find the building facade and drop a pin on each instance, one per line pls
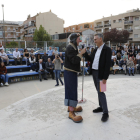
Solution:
(80, 27)
(12, 30)
(129, 21)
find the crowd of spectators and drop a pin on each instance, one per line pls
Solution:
(48, 62)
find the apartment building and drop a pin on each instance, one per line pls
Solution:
(129, 21)
(80, 27)
(12, 30)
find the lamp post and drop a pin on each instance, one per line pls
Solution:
(3, 27)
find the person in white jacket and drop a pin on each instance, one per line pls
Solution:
(32, 61)
(17, 56)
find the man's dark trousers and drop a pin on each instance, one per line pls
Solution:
(101, 95)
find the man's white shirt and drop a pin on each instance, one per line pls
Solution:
(3, 54)
(95, 63)
(16, 54)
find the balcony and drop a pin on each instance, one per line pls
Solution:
(99, 26)
(9, 30)
(1, 36)
(11, 36)
(32, 25)
(107, 25)
(129, 30)
(130, 38)
(25, 26)
(128, 22)
(28, 35)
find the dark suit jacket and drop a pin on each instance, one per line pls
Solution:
(104, 62)
(37, 65)
(116, 63)
(49, 66)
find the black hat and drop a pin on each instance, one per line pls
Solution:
(74, 36)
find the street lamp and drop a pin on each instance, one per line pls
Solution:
(3, 26)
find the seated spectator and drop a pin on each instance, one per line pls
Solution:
(32, 61)
(38, 57)
(123, 51)
(17, 56)
(45, 57)
(131, 55)
(118, 50)
(138, 56)
(136, 51)
(26, 56)
(4, 56)
(88, 50)
(135, 64)
(84, 67)
(113, 50)
(118, 56)
(3, 73)
(50, 51)
(115, 65)
(126, 46)
(130, 66)
(129, 50)
(113, 56)
(32, 52)
(124, 64)
(125, 56)
(133, 47)
(50, 67)
(55, 51)
(41, 68)
(57, 63)
(138, 61)
(53, 56)
(92, 49)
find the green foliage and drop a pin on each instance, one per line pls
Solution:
(12, 44)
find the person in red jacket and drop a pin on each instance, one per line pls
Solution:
(3, 73)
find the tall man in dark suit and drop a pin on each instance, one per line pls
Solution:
(50, 67)
(100, 68)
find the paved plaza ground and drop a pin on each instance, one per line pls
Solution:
(35, 110)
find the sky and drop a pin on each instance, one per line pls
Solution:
(71, 11)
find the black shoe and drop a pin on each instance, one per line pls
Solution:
(125, 73)
(45, 79)
(129, 74)
(105, 117)
(40, 80)
(132, 74)
(99, 109)
(56, 85)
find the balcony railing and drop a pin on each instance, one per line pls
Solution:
(107, 25)
(128, 22)
(130, 38)
(26, 26)
(9, 30)
(31, 25)
(129, 30)
(28, 35)
(99, 26)
(12, 36)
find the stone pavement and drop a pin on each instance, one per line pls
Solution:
(43, 116)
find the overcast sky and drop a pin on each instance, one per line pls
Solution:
(72, 11)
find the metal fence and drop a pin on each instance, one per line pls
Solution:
(37, 46)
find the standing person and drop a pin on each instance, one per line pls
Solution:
(100, 64)
(92, 49)
(41, 68)
(72, 67)
(55, 51)
(88, 51)
(57, 66)
(50, 67)
(4, 56)
(50, 51)
(3, 73)
(17, 56)
(45, 57)
(84, 68)
(26, 55)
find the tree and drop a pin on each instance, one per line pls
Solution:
(116, 36)
(41, 35)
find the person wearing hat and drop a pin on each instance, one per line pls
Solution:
(71, 68)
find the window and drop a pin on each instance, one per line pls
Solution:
(86, 26)
(114, 21)
(80, 27)
(135, 35)
(120, 20)
(137, 27)
(90, 26)
(1, 33)
(136, 18)
(73, 28)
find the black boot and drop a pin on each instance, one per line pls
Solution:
(105, 117)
